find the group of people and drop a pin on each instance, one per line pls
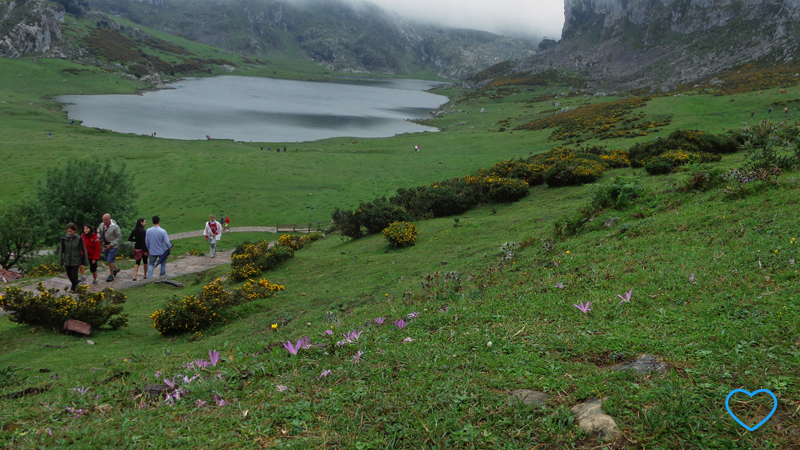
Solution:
(75, 251)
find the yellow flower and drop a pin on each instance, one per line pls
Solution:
(274, 326)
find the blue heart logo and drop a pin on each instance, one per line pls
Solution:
(753, 428)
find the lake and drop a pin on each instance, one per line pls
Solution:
(263, 109)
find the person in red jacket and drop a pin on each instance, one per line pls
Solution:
(93, 251)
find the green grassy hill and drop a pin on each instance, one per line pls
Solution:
(713, 276)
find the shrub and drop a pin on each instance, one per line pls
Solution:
(378, 214)
(401, 234)
(346, 222)
(211, 307)
(43, 270)
(681, 145)
(702, 177)
(292, 242)
(249, 260)
(506, 189)
(771, 145)
(671, 160)
(47, 310)
(574, 172)
(619, 194)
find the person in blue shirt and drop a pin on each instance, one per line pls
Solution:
(158, 245)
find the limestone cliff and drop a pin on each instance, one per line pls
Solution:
(29, 27)
(631, 44)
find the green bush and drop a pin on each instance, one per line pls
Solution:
(574, 172)
(378, 214)
(47, 310)
(506, 189)
(620, 193)
(685, 141)
(249, 260)
(346, 223)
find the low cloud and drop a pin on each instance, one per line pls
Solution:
(521, 18)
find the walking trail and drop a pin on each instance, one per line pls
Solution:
(183, 265)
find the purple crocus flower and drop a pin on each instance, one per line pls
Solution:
(291, 347)
(158, 375)
(213, 356)
(627, 297)
(412, 315)
(324, 374)
(329, 332)
(49, 432)
(170, 383)
(379, 320)
(305, 343)
(220, 401)
(357, 356)
(555, 263)
(584, 308)
(200, 403)
(444, 309)
(81, 390)
(408, 339)
(281, 388)
(691, 278)
(201, 363)
(400, 323)
(559, 285)
(78, 412)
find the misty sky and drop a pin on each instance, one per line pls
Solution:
(530, 18)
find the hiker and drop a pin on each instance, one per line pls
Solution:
(770, 110)
(213, 233)
(227, 223)
(94, 250)
(752, 113)
(72, 254)
(786, 110)
(110, 233)
(138, 236)
(284, 149)
(158, 245)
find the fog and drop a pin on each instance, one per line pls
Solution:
(519, 18)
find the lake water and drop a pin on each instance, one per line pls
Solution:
(263, 109)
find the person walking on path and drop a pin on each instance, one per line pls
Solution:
(110, 233)
(94, 250)
(227, 223)
(72, 254)
(213, 233)
(138, 236)
(158, 245)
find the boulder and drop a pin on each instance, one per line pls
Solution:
(529, 397)
(76, 326)
(642, 365)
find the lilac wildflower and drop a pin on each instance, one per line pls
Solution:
(201, 363)
(281, 388)
(170, 383)
(158, 375)
(444, 309)
(400, 323)
(412, 315)
(81, 390)
(329, 332)
(627, 297)
(380, 320)
(559, 285)
(78, 412)
(357, 356)
(200, 403)
(584, 308)
(305, 342)
(691, 278)
(324, 374)
(220, 401)
(213, 356)
(291, 347)
(49, 432)
(408, 339)
(555, 263)
(190, 365)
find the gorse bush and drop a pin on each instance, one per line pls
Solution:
(619, 194)
(249, 260)
(771, 145)
(51, 311)
(213, 306)
(401, 234)
(680, 147)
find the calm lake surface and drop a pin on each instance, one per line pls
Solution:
(263, 109)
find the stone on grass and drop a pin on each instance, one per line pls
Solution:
(642, 365)
(170, 282)
(529, 397)
(611, 222)
(76, 326)
(90, 342)
(592, 420)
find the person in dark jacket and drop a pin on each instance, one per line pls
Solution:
(139, 247)
(72, 254)
(94, 251)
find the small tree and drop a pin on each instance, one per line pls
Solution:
(20, 236)
(81, 191)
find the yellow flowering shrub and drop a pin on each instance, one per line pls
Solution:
(401, 234)
(49, 310)
(249, 260)
(293, 242)
(193, 313)
(43, 270)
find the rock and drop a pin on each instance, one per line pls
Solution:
(170, 282)
(155, 390)
(90, 342)
(611, 222)
(530, 397)
(483, 110)
(642, 365)
(592, 420)
(76, 326)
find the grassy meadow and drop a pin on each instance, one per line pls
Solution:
(714, 283)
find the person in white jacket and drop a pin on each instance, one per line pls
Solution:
(213, 233)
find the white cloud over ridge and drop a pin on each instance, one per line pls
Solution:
(522, 18)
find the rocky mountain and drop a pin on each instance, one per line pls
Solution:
(625, 44)
(345, 36)
(29, 27)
